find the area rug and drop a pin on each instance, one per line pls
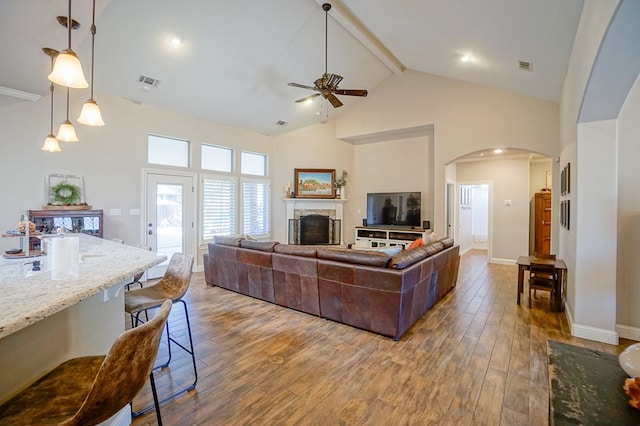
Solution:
(586, 388)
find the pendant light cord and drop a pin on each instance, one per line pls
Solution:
(93, 41)
(67, 104)
(51, 126)
(326, 38)
(69, 25)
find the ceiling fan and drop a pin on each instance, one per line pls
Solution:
(327, 85)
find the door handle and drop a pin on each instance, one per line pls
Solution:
(150, 232)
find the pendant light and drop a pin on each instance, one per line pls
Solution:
(66, 132)
(51, 143)
(90, 114)
(67, 70)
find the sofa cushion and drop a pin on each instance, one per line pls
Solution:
(409, 257)
(354, 256)
(433, 248)
(258, 245)
(415, 243)
(296, 250)
(228, 240)
(391, 250)
(447, 242)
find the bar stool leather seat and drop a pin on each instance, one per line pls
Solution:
(91, 389)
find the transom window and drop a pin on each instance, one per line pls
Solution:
(167, 151)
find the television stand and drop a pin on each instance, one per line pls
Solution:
(378, 236)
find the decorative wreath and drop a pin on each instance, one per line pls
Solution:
(65, 193)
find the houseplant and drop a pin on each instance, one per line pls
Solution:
(340, 183)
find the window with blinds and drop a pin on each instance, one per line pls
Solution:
(256, 195)
(219, 206)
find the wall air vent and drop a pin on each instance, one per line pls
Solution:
(281, 123)
(525, 66)
(148, 81)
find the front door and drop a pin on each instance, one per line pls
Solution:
(169, 224)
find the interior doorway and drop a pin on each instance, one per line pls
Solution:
(473, 217)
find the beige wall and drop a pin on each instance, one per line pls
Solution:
(110, 158)
(314, 147)
(466, 118)
(628, 209)
(509, 181)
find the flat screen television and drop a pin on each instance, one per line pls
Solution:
(401, 209)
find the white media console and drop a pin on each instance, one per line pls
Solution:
(372, 236)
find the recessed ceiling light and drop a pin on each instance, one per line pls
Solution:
(175, 40)
(498, 151)
(465, 58)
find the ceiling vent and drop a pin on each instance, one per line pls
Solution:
(147, 81)
(525, 66)
(281, 123)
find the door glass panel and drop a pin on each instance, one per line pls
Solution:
(169, 219)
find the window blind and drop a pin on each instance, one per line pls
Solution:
(219, 201)
(256, 207)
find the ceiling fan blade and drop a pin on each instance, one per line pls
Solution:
(302, 86)
(351, 92)
(334, 101)
(334, 80)
(306, 98)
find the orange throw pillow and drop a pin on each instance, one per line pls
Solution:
(416, 243)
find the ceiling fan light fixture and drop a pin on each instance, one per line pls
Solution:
(327, 85)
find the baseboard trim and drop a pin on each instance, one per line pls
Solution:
(593, 333)
(628, 332)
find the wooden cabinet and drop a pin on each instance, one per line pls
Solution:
(542, 223)
(85, 221)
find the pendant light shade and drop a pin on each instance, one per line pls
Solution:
(90, 114)
(67, 69)
(66, 132)
(51, 144)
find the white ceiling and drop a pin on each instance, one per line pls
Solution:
(238, 56)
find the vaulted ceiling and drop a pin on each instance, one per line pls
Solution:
(238, 56)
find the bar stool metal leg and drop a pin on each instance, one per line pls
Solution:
(189, 350)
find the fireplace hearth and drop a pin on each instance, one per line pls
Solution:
(314, 229)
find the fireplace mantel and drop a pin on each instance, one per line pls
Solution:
(335, 204)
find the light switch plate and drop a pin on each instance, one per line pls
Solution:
(115, 212)
(134, 212)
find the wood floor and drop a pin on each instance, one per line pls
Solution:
(476, 358)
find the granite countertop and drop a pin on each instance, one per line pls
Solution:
(28, 296)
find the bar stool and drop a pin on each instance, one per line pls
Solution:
(91, 389)
(173, 285)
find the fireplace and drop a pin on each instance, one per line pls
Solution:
(314, 229)
(300, 207)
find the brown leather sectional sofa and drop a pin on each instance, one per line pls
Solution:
(369, 290)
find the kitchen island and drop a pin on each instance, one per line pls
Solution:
(45, 321)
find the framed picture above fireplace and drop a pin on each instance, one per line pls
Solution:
(315, 183)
